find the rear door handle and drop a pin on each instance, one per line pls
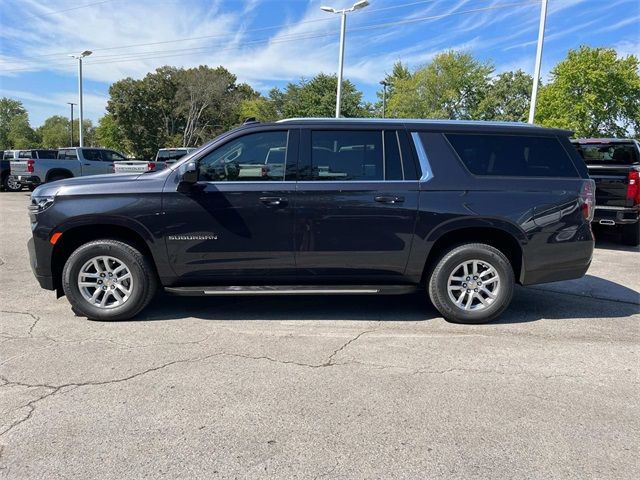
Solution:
(389, 199)
(273, 201)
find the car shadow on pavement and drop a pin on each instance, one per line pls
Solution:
(552, 301)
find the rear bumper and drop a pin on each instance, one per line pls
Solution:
(563, 255)
(27, 179)
(617, 215)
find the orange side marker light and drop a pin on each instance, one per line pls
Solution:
(54, 238)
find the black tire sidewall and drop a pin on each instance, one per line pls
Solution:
(123, 252)
(7, 188)
(438, 285)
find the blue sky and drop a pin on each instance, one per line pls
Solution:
(268, 43)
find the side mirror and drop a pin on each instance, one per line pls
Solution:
(187, 177)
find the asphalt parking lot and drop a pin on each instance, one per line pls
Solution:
(320, 387)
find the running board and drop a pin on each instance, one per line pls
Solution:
(293, 290)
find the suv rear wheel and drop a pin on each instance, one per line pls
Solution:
(108, 280)
(472, 283)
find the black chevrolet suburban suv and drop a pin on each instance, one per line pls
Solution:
(459, 210)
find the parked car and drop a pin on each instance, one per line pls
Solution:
(7, 183)
(459, 210)
(13, 184)
(164, 158)
(68, 163)
(614, 165)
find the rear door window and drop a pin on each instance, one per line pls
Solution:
(47, 154)
(608, 153)
(344, 155)
(25, 154)
(512, 155)
(67, 155)
(111, 156)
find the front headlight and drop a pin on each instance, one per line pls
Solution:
(40, 203)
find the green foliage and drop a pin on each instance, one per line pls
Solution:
(451, 86)
(507, 98)
(317, 98)
(594, 93)
(109, 135)
(175, 107)
(9, 108)
(55, 132)
(20, 134)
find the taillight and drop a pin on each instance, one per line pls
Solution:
(151, 166)
(588, 199)
(30, 166)
(633, 187)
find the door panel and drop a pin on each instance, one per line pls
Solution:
(92, 163)
(342, 231)
(355, 213)
(236, 228)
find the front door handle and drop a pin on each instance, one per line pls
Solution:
(273, 201)
(389, 199)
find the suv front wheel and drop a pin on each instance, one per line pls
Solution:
(108, 280)
(472, 283)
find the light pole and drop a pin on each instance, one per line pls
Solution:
(536, 73)
(79, 57)
(71, 124)
(343, 27)
(384, 84)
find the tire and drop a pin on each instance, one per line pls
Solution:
(10, 185)
(141, 284)
(32, 187)
(449, 273)
(631, 234)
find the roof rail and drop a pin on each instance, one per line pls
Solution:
(404, 120)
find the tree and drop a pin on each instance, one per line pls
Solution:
(108, 134)
(451, 87)
(260, 108)
(9, 108)
(209, 101)
(55, 132)
(594, 93)
(507, 98)
(20, 134)
(317, 98)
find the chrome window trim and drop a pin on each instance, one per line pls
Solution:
(425, 166)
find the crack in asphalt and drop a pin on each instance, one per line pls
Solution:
(36, 319)
(328, 363)
(54, 389)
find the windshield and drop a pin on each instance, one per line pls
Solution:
(608, 153)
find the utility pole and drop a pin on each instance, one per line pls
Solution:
(79, 57)
(343, 28)
(384, 84)
(536, 73)
(71, 124)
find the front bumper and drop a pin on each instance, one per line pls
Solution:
(27, 179)
(45, 281)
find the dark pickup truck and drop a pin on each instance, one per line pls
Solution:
(459, 211)
(614, 165)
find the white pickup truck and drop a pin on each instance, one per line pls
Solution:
(69, 162)
(164, 158)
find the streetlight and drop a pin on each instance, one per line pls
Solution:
(79, 57)
(384, 84)
(71, 124)
(343, 27)
(536, 73)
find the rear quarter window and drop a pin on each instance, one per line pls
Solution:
(512, 155)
